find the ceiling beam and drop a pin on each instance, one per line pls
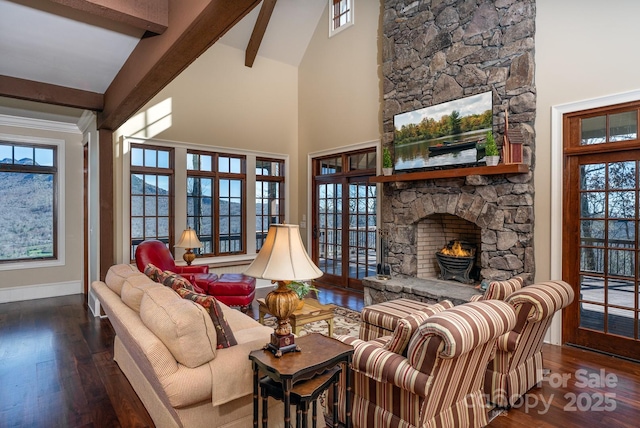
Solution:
(193, 27)
(30, 90)
(258, 31)
(149, 15)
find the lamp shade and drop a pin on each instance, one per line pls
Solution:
(283, 256)
(189, 239)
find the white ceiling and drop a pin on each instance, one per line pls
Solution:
(50, 43)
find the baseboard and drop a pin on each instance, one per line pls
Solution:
(39, 291)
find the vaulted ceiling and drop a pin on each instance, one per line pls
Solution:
(112, 56)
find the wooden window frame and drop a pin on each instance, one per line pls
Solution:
(279, 180)
(170, 171)
(215, 175)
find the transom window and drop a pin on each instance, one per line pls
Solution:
(216, 188)
(269, 196)
(151, 195)
(340, 15)
(28, 176)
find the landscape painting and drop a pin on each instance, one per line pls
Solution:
(443, 136)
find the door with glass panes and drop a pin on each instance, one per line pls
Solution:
(344, 218)
(600, 229)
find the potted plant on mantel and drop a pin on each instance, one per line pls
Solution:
(492, 155)
(302, 288)
(387, 162)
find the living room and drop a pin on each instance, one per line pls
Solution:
(334, 100)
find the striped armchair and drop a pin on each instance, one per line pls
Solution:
(499, 290)
(517, 366)
(437, 381)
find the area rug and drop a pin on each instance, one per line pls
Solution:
(345, 322)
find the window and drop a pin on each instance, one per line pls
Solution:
(269, 196)
(28, 217)
(340, 15)
(151, 195)
(216, 201)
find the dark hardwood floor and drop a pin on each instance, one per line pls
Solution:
(57, 370)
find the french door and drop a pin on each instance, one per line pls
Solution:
(601, 230)
(344, 218)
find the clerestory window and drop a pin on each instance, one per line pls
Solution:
(340, 15)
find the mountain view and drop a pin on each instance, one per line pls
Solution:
(26, 214)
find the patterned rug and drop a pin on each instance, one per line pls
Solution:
(345, 322)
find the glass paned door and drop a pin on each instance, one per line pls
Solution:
(344, 218)
(604, 198)
(609, 247)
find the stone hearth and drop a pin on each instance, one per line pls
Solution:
(436, 51)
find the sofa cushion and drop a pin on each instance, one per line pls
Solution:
(133, 289)
(117, 274)
(409, 324)
(183, 326)
(224, 335)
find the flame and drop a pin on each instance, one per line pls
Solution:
(456, 250)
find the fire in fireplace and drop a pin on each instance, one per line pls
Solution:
(456, 260)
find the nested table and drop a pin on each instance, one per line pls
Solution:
(319, 354)
(311, 311)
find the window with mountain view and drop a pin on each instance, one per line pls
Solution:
(28, 176)
(151, 196)
(216, 188)
(269, 196)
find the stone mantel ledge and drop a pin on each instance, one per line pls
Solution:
(430, 290)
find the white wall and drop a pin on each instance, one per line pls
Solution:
(340, 87)
(585, 49)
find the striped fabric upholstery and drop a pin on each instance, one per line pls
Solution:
(517, 366)
(499, 290)
(439, 384)
(409, 324)
(381, 319)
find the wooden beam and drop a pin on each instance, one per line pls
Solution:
(258, 31)
(30, 90)
(105, 174)
(149, 15)
(194, 26)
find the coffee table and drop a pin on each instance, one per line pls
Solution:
(319, 353)
(311, 311)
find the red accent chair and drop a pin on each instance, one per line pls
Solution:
(232, 289)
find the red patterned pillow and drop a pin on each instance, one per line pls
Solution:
(176, 281)
(225, 337)
(154, 273)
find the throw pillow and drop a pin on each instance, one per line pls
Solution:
(409, 324)
(225, 337)
(154, 273)
(176, 281)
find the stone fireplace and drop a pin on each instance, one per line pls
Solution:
(439, 50)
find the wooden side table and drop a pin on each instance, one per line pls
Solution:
(319, 354)
(311, 311)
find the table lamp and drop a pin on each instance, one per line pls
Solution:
(283, 259)
(189, 240)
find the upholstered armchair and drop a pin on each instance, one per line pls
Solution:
(437, 381)
(499, 290)
(157, 253)
(517, 365)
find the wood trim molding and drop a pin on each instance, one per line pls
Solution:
(107, 238)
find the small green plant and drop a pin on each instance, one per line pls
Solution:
(302, 288)
(387, 162)
(490, 147)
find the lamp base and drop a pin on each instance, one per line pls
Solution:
(189, 257)
(280, 345)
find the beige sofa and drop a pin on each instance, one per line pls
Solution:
(166, 347)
